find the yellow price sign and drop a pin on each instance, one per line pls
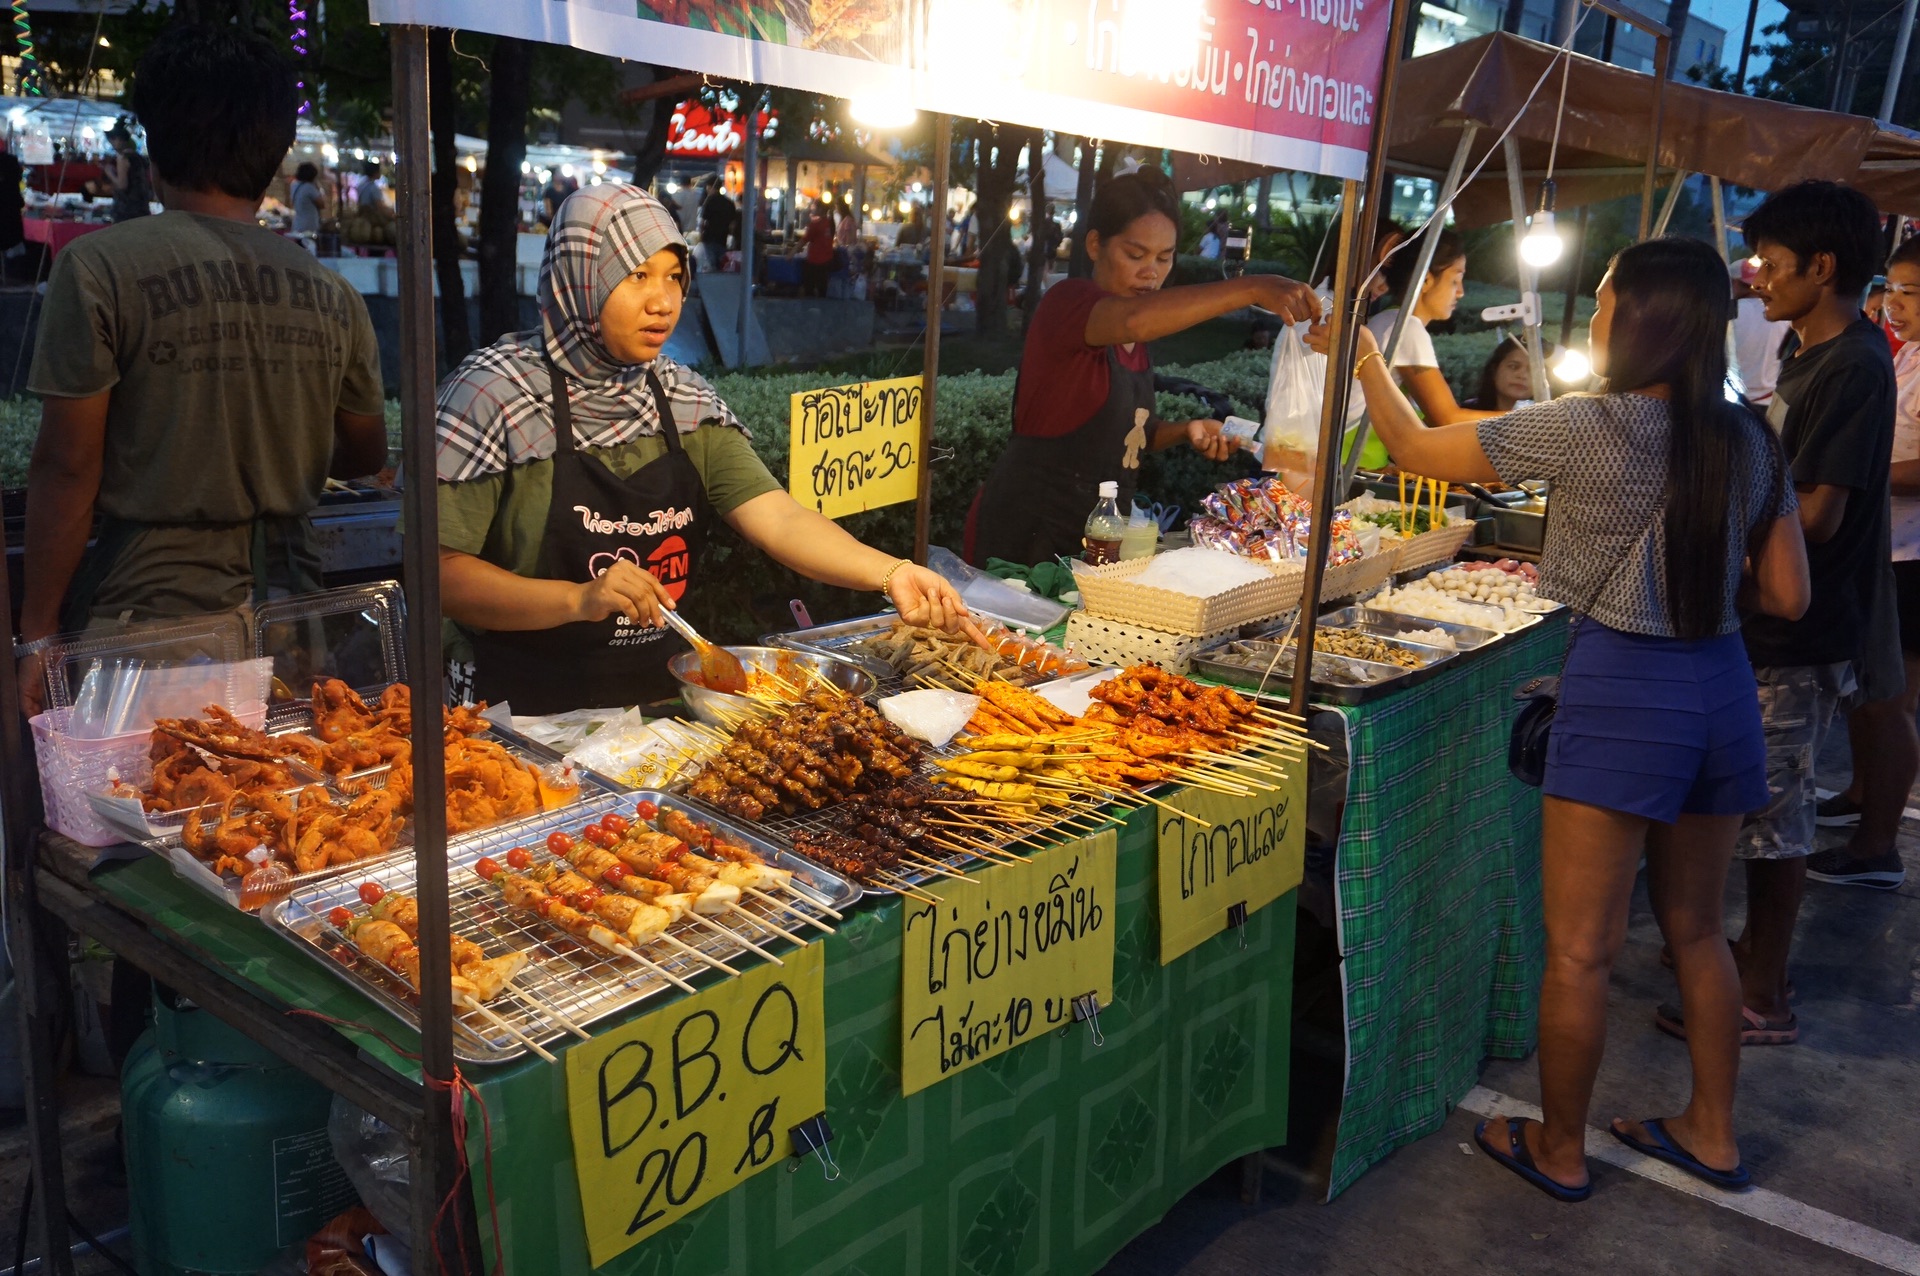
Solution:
(998, 962)
(1254, 853)
(855, 447)
(688, 1102)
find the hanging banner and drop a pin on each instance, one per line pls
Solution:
(855, 447)
(684, 1104)
(1280, 83)
(1000, 961)
(1213, 877)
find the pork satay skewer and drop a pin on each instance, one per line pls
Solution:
(524, 893)
(594, 862)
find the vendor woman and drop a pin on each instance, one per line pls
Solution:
(1083, 405)
(581, 471)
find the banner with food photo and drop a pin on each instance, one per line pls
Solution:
(1277, 84)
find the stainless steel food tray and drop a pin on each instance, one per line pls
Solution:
(1390, 624)
(1373, 679)
(837, 640)
(585, 983)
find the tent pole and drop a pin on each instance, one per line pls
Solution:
(1529, 277)
(1333, 416)
(1358, 216)
(1719, 218)
(936, 303)
(1672, 201)
(1423, 261)
(1661, 45)
(1897, 69)
(1575, 268)
(435, 1170)
(749, 219)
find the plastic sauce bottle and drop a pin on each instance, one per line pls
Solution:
(1106, 528)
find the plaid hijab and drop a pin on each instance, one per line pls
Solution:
(496, 409)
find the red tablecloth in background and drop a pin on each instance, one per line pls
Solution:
(57, 234)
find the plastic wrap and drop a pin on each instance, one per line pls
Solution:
(376, 1162)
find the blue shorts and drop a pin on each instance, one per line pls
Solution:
(1657, 727)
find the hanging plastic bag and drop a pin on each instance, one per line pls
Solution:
(1290, 439)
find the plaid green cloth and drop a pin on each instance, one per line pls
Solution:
(1045, 1160)
(1437, 880)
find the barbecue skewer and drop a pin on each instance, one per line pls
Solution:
(468, 1003)
(488, 870)
(549, 1009)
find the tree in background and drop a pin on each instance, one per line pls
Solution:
(996, 171)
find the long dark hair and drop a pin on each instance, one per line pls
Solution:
(1487, 394)
(1671, 310)
(1398, 271)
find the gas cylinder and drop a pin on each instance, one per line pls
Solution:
(228, 1160)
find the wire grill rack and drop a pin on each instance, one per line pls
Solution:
(583, 982)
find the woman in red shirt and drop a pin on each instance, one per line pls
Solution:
(816, 268)
(1086, 413)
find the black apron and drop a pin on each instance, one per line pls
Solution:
(655, 518)
(1034, 505)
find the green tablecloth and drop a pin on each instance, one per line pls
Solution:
(1046, 1159)
(1437, 883)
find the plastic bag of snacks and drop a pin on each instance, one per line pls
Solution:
(1263, 518)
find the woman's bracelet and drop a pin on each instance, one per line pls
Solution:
(1371, 354)
(886, 582)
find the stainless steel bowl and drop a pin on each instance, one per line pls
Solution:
(718, 707)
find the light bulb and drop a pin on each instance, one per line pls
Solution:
(1541, 245)
(1572, 366)
(883, 111)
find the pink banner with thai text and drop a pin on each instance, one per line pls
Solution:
(1284, 83)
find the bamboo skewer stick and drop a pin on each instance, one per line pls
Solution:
(836, 915)
(936, 867)
(765, 923)
(674, 941)
(655, 967)
(467, 1003)
(814, 922)
(902, 886)
(549, 1009)
(735, 936)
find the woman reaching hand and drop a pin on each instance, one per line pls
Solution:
(1661, 491)
(581, 471)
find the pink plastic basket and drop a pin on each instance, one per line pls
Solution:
(70, 768)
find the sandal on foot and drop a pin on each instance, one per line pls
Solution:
(1516, 1158)
(1755, 1028)
(1661, 1147)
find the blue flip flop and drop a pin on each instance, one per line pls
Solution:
(1663, 1148)
(1516, 1158)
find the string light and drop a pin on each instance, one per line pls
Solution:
(1541, 246)
(1572, 366)
(297, 19)
(29, 63)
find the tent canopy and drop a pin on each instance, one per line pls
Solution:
(1607, 130)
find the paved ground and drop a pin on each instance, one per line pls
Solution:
(1831, 1131)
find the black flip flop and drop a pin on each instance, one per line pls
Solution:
(1516, 1158)
(1662, 1147)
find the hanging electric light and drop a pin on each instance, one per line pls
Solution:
(1541, 246)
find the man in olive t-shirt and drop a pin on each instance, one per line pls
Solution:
(201, 376)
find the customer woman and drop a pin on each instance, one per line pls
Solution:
(581, 470)
(1662, 489)
(1506, 379)
(1087, 412)
(308, 199)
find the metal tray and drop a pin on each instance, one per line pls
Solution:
(1389, 624)
(837, 638)
(1369, 680)
(583, 982)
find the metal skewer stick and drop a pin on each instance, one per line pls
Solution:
(735, 936)
(673, 941)
(547, 1007)
(467, 1003)
(627, 952)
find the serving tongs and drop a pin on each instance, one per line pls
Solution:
(720, 669)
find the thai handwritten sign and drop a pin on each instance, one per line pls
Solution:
(1000, 962)
(856, 447)
(686, 1103)
(1254, 853)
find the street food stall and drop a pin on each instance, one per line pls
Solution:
(1002, 989)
